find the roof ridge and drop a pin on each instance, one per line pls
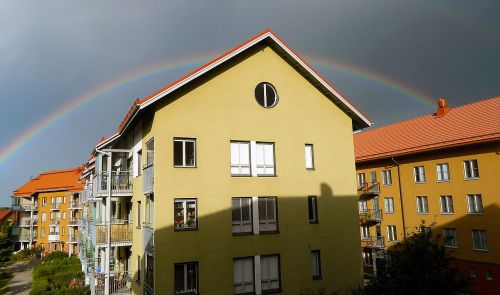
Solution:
(60, 170)
(427, 115)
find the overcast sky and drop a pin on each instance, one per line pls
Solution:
(392, 58)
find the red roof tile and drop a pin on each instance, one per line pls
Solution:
(468, 124)
(66, 179)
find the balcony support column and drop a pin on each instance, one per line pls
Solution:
(108, 223)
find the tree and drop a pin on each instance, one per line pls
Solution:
(417, 265)
(6, 248)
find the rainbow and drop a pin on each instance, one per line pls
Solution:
(137, 74)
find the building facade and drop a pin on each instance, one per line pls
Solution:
(234, 179)
(438, 169)
(48, 208)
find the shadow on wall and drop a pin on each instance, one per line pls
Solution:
(213, 246)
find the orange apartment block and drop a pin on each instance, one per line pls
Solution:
(440, 168)
(48, 209)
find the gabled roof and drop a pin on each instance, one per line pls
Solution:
(360, 120)
(464, 125)
(4, 214)
(57, 180)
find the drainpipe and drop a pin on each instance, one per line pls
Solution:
(401, 197)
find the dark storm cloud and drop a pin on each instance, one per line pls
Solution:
(53, 51)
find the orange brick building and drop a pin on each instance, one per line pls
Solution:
(48, 209)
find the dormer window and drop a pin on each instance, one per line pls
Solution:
(266, 95)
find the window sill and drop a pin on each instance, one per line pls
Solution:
(419, 182)
(316, 278)
(451, 247)
(241, 175)
(313, 222)
(266, 175)
(471, 178)
(310, 169)
(386, 184)
(447, 213)
(269, 232)
(423, 213)
(138, 227)
(480, 250)
(476, 213)
(392, 212)
(243, 234)
(444, 180)
(185, 229)
(185, 166)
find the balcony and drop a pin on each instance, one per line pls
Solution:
(370, 216)
(373, 242)
(24, 222)
(72, 239)
(26, 207)
(368, 190)
(121, 184)
(55, 206)
(119, 283)
(121, 233)
(148, 179)
(54, 237)
(23, 238)
(55, 222)
(73, 222)
(148, 240)
(74, 205)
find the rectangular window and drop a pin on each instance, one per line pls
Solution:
(442, 171)
(267, 214)
(367, 258)
(240, 158)
(150, 152)
(139, 267)
(316, 264)
(51, 215)
(64, 200)
(309, 156)
(391, 233)
(422, 206)
(44, 201)
(386, 177)
(242, 215)
(419, 174)
(62, 231)
(44, 216)
(365, 232)
(363, 206)
(373, 177)
(479, 241)
(265, 158)
(446, 204)
(64, 215)
(270, 273)
(149, 273)
(450, 237)
(139, 208)
(150, 211)
(243, 275)
(312, 207)
(361, 180)
(184, 152)
(186, 278)
(185, 214)
(139, 163)
(42, 232)
(475, 203)
(389, 205)
(471, 170)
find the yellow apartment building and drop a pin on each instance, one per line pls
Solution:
(440, 168)
(235, 179)
(49, 208)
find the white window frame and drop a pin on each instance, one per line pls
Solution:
(453, 234)
(442, 173)
(367, 258)
(184, 202)
(361, 179)
(273, 278)
(422, 205)
(241, 224)
(44, 216)
(419, 174)
(184, 158)
(391, 233)
(365, 232)
(266, 223)
(387, 177)
(446, 204)
(263, 165)
(312, 206)
(185, 265)
(476, 206)
(237, 167)
(474, 171)
(389, 205)
(309, 156)
(483, 241)
(239, 265)
(363, 206)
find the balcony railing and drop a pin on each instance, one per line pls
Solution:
(119, 283)
(26, 207)
(23, 238)
(25, 222)
(148, 179)
(54, 237)
(121, 183)
(56, 221)
(370, 215)
(121, 233)
(73, 222)
(55, 206)
(75, 204)
(72, 239)
(373, 242)
(369, 189)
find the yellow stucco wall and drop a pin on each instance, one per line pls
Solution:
(458, 187)
(222, 108)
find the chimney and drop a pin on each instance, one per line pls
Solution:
(442, 107)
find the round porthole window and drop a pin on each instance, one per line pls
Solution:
(266, 95)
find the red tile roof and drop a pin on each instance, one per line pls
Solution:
(4, 214)
(468, 124)
(56, 180)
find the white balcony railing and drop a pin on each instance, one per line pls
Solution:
(54, 237)
(121, 183)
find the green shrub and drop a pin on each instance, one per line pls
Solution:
(32, 254)
(56, 255)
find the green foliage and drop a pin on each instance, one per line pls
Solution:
(6, 248)
(58, 274)
(417, 265)
(33, 254)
